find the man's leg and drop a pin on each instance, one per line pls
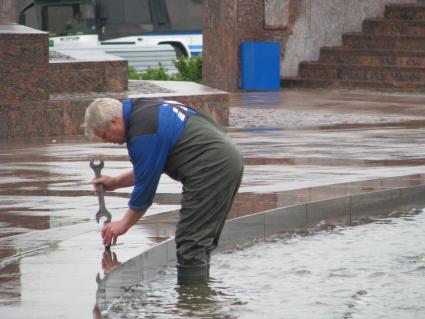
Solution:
(207, 200)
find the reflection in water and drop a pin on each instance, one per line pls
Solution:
(166, 299)
(158, 298)
(109, 261)
(376, 270)
(10, 280)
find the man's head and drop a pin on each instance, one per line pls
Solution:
(104, 119)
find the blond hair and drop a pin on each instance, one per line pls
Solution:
(100, 113)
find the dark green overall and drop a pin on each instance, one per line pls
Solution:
(210, 168)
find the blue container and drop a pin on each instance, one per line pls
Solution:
(260, 66)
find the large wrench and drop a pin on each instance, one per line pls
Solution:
(102, 212)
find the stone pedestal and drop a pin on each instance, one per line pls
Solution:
(23, 72)
(23, 64)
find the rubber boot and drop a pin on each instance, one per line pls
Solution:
(193, 274)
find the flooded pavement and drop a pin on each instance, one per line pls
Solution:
(298, 146)
(360, 272)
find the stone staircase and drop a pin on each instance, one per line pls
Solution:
(388, 55)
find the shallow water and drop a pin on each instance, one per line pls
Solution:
(370, 271)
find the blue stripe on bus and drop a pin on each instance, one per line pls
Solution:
(195, 47)
(195, 53)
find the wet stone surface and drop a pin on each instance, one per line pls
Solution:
(299, 146)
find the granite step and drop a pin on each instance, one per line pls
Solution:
(341, 55)
(315, 70)
(395, 27)
(412, 87)
(365, 41)
(405, 11)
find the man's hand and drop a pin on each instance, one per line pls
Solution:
(109, 183)
(112, 230)
(125, 179)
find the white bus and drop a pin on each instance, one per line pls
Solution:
(130, 23)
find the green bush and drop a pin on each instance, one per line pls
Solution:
(189, 69)
(133, 74)
(151, 73)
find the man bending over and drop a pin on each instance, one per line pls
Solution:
(189, 146)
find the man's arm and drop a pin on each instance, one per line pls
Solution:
(111, 231)
(125, 179)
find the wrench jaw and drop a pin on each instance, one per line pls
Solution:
(96, 166)
(108, 217)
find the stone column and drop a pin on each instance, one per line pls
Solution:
(23, 75)
(229, 22)
(220, 47)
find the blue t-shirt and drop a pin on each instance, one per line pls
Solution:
(152, 129)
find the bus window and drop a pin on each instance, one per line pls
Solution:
(68, 19)
(185, 15)
(55, 18)
(126, 18)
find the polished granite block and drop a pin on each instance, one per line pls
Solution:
(40, 118)
(361, 72)
(380, 86)
(409, 12)
(23, 52)
(17, 86)
(80, 77)
(394, 27)
(340, 55)
(365, 41)
(23, 64)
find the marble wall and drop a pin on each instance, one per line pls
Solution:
(300, 26)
